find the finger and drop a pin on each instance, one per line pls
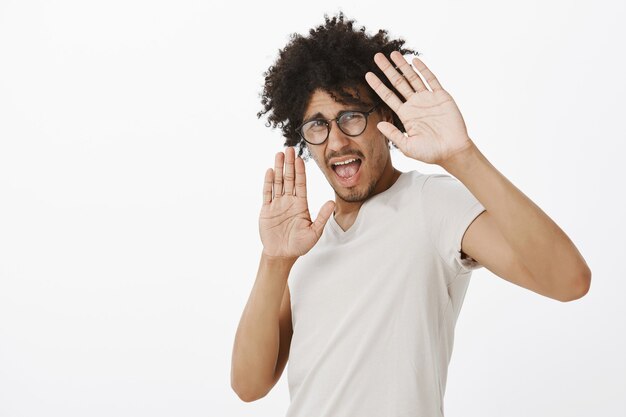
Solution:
(289, 170)
(407, 70)
(278, 174)
(429, 76)
(267, 186)
(322, 217)
(397, 80)
(393, 134)
(300, 178)
(383, 92)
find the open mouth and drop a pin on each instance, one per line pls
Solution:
(347, 170)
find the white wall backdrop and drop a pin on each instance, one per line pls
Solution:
(131, 170)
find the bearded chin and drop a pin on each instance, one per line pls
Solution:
(356, 196)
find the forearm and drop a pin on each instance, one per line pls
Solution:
(539, 242)
(257, 340)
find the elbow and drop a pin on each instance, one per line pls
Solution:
(580, 286)
(246, 391)
(246, 395)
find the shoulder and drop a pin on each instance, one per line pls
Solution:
(440, 185)
(419, 179)
(413, 179)
(429, 188)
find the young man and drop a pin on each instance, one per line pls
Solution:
(363, 300)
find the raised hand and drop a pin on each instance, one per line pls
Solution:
(285, 222)
(434, 125)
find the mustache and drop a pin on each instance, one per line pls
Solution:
(339, 155)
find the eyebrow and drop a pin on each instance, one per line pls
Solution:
(319, 115)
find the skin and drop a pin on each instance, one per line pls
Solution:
(513, 237)
(377, 173)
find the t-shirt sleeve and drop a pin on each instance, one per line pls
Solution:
(449, 208)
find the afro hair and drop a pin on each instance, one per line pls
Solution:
(334, 58)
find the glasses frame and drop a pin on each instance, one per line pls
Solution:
(328, 124)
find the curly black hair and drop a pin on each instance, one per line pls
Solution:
(334, 58)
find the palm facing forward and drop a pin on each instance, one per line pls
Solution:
(434, 125)
(285, 222)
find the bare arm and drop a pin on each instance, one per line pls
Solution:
(258, 339)
(262, 340)
(513, 238)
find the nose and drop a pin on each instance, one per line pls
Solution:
(337, 140)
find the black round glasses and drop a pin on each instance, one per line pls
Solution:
(351, 123)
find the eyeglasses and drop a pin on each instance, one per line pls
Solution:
(351, 123)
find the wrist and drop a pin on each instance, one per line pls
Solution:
(462, 160)
(277, 259)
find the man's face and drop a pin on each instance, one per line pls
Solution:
(355, 181)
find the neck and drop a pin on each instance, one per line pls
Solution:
(346, 208)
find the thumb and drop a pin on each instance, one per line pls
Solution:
(322, 217)
(393, 134)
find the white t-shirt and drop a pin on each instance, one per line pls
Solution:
(374, 307)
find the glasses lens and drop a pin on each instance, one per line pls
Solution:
(315, 131)
(352, 123)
